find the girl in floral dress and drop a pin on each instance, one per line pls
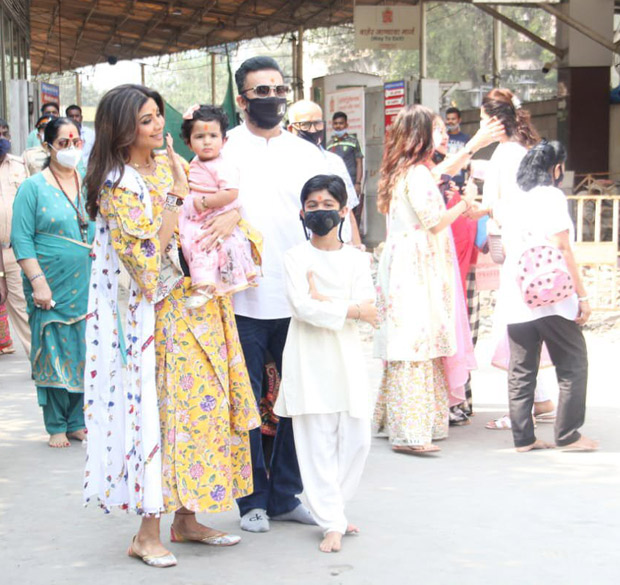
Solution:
(168, 431)
(416, 283)
(213, 182)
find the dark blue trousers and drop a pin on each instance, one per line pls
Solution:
(276, 493)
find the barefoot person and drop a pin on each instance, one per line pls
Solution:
(501, 106)
(324, 382)
(51, 237)
(168, 432)
(273, 167)
(536, 224)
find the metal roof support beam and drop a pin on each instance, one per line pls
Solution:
(81, 32)
(522, 30)
(582, 28)
(49, 36)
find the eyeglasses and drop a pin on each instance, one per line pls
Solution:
(64, 143)
(306, 126)
(263, 91)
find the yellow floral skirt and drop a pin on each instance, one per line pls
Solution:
(206, 405)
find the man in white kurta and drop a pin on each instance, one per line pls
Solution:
(273, 166)
(324, 379)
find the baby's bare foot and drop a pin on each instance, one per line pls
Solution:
(331, 543)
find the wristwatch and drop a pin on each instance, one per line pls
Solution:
(173, 200)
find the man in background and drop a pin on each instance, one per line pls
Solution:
(456, 139)
(47, 109)
(347, 147)
(12, 173)
(306, 121)
(88, 136)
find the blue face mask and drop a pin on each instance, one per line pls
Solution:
(5, 146)
(339, 133)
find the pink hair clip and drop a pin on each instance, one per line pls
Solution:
(189, 114)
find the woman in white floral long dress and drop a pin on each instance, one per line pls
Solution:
(416, 290)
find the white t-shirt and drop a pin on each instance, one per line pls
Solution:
(271, 175)
(528, 219)
(501, 173)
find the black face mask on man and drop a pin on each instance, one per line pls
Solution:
(266, 113)
(315, 137)
(322, 221)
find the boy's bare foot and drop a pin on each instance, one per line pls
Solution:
(537, 444)
(58, 441)
(331, 543)
(79, 435)
(352, 529)
(582, 444)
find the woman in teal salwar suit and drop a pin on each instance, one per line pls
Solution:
(52, 239)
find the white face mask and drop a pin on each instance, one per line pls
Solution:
(69, 157)
(437, 138)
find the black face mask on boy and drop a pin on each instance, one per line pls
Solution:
(322, 221)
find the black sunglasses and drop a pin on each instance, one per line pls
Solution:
(263, 91)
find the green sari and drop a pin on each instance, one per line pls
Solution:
(45, 226)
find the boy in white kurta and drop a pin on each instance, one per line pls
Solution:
(324, 381)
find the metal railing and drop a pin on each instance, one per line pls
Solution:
(597, 246)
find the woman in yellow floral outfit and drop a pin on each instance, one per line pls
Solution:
(168, 402)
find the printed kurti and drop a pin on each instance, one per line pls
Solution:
(45, 226)
(204, 402)
(416, 283)
(416, 277)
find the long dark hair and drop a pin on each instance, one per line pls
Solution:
(537, 165)
(116, 128)
(51, 133)
(409, 142)
(504, 105)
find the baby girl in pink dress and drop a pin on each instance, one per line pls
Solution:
(229, 267)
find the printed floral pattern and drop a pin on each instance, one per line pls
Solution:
(412, 406)
(416, 276)
(205, 401)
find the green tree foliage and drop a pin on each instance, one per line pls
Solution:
(459, 48)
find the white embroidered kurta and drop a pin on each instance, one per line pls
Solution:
(324, 369)
(416, 277)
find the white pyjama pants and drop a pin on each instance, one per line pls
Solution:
(331, 450)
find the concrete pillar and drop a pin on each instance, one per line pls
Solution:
(583, 85)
